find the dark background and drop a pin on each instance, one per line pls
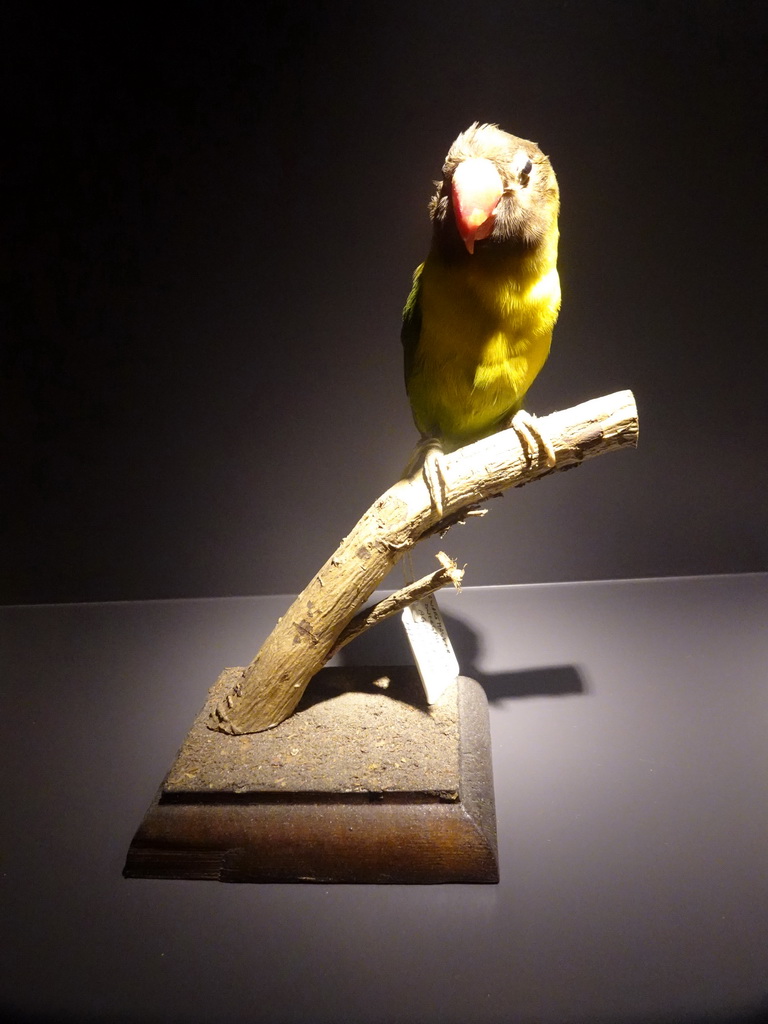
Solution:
(212, 213)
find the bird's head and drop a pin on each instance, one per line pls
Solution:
(498, 193)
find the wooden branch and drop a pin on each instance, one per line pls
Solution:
(448, 572)
(304, 638)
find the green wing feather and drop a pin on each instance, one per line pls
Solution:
(411, 329)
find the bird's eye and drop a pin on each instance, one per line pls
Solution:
(525, 172)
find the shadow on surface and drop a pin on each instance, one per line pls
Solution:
(399, 682)
(385, 644)
(543, 681)
(550, 681)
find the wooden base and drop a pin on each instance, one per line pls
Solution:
(364, 783)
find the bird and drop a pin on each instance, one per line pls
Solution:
(478, 321)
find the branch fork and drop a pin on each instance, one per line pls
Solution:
(326, 615)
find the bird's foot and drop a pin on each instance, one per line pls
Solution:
(432, 470)
(429, 455)
(534, 440)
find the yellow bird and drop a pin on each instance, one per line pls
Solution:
(478, 322)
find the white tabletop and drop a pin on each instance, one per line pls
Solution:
(630, 746)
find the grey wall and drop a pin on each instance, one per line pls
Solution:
(215, 210)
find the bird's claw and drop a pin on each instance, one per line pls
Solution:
(428, 457)
(432, 471)
(534, 440)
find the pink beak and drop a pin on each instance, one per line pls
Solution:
(475, 192)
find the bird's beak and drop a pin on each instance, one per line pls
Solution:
(476, 189)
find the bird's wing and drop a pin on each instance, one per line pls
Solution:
(411, 329)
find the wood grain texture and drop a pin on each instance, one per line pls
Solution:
(436, 825)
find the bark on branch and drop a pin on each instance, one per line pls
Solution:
(311, 630)
(448, 572)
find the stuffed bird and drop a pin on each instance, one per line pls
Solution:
(478, 322)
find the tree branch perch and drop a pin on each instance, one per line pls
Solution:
(448, 572)
(311, 630)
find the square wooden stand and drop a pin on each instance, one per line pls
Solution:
(363, 783)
